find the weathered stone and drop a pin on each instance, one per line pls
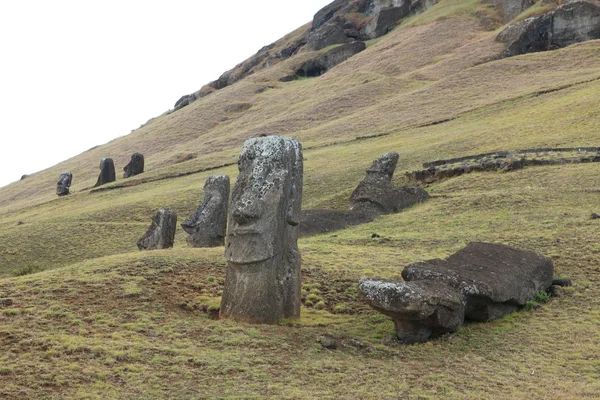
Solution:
(107, 172)
(324, 62)
(262, 284)
(495, 279)
(135, 166)
(556, 291)
(594, 216)
(161, 233)
(573, 22)
(6, 302)
(420, 310)
(385, 15)
(510, 9)
(64, 184)
(24, 177)
(208, 225)
(377, 195)
(328, 343)
(314, 222)
(562, 282)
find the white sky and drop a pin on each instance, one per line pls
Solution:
(77, 73)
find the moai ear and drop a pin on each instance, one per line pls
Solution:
(293, 212)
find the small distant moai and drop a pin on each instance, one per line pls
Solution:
(263, 261)
(161, 233)
(376, 190)
(107, 172)
(64, 184)
(135, 166)
(208, 225)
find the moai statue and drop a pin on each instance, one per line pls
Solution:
(263, 262)
(64, 184)
(107, 172)
(161, 233)
(208, 225)
(135, 166)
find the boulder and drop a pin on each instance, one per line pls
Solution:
(63, 185)
(420, 310)
(385, 15)
(208, 225)
(573, 22)
(494, 279)
(161, 233)
(324, 62)
(107, 172)
(135, 166)
(510, 9)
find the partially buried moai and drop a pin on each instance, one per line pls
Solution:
(135, 166)
(64, 184)
(263, 262)
(107, 172)
(208, 225)
(161, 233)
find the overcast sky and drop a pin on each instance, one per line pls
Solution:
(77, 73)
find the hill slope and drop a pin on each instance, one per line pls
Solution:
(107, 320)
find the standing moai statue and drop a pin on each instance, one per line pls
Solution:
(64, 184)
(135, 166)
(161, 233)
(107, 172)
(263, 262)
(208, 225)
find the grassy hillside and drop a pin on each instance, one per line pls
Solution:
(92, 317)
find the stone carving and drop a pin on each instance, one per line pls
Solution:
(64, 184)
(107, 172)
(135, 166)
(376, 193)
(208, 225)
(489, 280)
(263, 270)
(161, 233)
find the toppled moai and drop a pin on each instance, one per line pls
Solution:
(161, 233)
(490, 280)
(63, 185)
(376, 194)
(135, 166)
(208, 225)
(107, 172)
(262, 284)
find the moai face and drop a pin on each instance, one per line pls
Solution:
(265, 205)
(64, 183)
(135, 166)
(385, 166)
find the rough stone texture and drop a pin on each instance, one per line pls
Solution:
(562, 282)
(107, 172)
(324, 62)
(376, 193)
(495, 279)
(63, 185)
(420, 310)
(573, 22)
(556, 291)
(385, 14)
(161, 233)
(262, 284)
(208, 225)
(510, 9)
(135, 166)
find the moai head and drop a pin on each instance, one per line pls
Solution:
(64, 184)
(107, 172)
(375, 194)
(266, 200)
(135, 166)
(384, 167)
(263, 270)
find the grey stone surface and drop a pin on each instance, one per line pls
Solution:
(420, 310)
(135, 166)
(510, 9)
(161, 233)
(107, 172)
(208, 225)
(324, 62)
(376, 193)
(262, 283)
(494, 279)
(63, 186)
(573, 22)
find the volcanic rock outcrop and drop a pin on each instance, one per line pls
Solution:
(573, 22)
(64, 184)
(208, 225)
(262, 284)
(107, 172)
(161, 233)
(491, 280)
(324, 62)
(135, 166)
